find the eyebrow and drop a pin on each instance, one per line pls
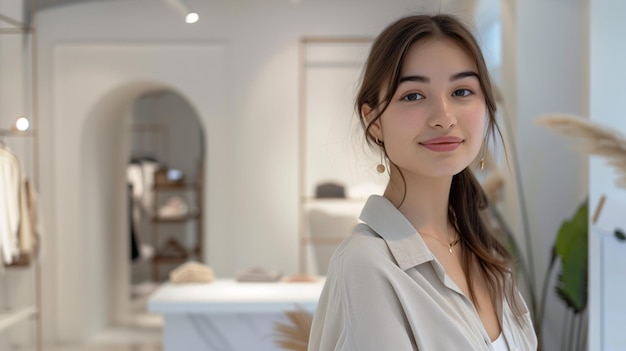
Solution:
(453, 77)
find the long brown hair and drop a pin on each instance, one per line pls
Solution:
(467, 200)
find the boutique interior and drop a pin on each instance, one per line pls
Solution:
(187, 167)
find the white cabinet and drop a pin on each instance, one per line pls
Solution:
(611, 275)
(229, 315)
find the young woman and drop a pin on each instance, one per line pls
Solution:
(423, 271)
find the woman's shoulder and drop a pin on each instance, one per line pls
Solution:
(364, 247)
(362, 238)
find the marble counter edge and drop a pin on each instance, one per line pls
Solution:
(209, 298)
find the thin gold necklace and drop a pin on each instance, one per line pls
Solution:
(449, 245)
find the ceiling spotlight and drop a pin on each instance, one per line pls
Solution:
(192, 17)
(22, 124)
(180, 7)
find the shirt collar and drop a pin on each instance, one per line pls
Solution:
(406, 245)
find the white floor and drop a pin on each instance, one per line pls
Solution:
(118, 339)
(143, 333)
(105, 347)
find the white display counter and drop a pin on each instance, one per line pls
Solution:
(227, 315)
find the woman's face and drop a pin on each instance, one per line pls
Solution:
(435, 122)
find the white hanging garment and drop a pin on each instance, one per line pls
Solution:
(149, 169)
(10, 168)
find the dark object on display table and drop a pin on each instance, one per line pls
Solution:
(330, 191)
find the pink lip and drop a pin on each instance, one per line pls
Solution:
(442, 143)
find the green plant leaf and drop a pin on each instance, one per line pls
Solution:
(619, 235)
(571, 247)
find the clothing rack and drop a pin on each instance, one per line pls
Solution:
(12, 317)
(13, 133)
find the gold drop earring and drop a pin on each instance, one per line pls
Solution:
(481, 163)
(380, 168)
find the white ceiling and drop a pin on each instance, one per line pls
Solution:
(41, 4)
(484, 10)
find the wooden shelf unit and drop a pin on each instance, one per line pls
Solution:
(192, 192)
(181, 219)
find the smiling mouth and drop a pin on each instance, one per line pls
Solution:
(442, 146)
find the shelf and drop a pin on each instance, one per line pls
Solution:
(10, 318)
(310, 199)
(191, 190)
(5, 132)
(338, 207)
(176, 186)
(195, 252)
(161, 259)
(181, 219)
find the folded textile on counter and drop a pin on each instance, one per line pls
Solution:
(300, 278)
(192, 272)
(258, 274)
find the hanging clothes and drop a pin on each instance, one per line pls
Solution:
(140, 174)
(19, 227)
(149, 169)
(140, 179)
(30, 231)
(10, 174)
(134, 244)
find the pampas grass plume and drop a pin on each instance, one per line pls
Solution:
(295, 335)
(593, 139)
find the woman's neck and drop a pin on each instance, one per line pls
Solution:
(424, 202)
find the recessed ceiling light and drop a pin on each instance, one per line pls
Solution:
(192, 17)
(22, 124)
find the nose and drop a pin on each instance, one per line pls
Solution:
(442, 115)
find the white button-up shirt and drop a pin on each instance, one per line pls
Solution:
(386, 291)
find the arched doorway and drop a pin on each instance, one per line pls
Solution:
(107, 141)
(165, 176)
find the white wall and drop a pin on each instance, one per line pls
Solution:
(238, 68)
(101, 157)
(544, 70)
(180, 144)
(89, 156)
